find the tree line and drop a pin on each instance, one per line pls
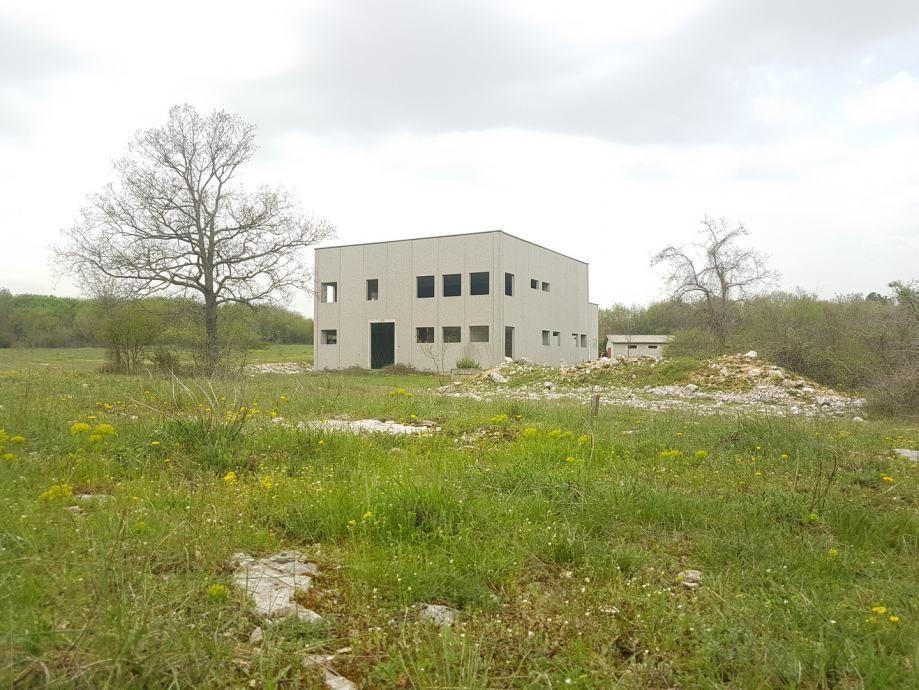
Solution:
(49, 321)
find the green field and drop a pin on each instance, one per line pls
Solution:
(557, 537)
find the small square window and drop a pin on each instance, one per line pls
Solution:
(545, 337)
(373, 289)
(534, 283)
(509, 284)
(328, 293)
(583, 340)
(453, 334)
(545, 287)
(329, 338)
(478, 334)
(425, 286)
(424, 334)
(478, 283)
(453, 284)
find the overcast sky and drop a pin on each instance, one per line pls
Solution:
(605, 130)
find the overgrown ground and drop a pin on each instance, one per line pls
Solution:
(558, 539)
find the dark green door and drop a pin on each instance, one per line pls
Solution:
(382, 345)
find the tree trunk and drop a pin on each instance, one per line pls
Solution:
(211, 346)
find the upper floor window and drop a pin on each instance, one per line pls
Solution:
(425, 286)
(329, 292)
(534, 283)
(453, 284)
(545, 287)
(373, 289)
(478, 283)
(509, 284)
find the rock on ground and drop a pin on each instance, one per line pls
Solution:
(907, 454)
(272, 582)
(368, 426)
(333, 681)
(277, 368)
(437, 614)
(690, 579)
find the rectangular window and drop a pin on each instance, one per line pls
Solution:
(453, 334)
(328, 293)
(545, 287)
(557, 337)
(652, 347)
(329, 337)
(478, 283)
(633, 347)
(425, 286)
(478, 334)
(534, 283)
(583, 340)
(545, 337)
(373, 289)
(424, 334)
(574, 337)
(509, 284)
(453, 284)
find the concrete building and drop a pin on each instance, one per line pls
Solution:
(636, 345)
(430, 302)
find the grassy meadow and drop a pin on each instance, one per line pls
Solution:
(558, 537)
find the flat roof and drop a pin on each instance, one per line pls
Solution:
(455, 234)
(638, 338)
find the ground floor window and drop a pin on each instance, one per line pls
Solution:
(545, 337)
(453, 334)
(424, 334)
(478, 334)
(329, 337)
(557, 337)
(583, 340)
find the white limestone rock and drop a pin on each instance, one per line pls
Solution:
(272, 582)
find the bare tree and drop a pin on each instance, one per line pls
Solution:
(716, 273)
(176, 221)
(437, 353)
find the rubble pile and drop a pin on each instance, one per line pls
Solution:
(278, 368)
(730, 383)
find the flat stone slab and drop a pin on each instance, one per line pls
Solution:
(907, 453)
(272, 582)
(437, 614)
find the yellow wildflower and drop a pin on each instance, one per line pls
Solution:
(783, 456)
(322, 442)
(583, 439)
(887, 478)
(833, 553)
(266, 482)
(80, 428)
(570, 459)
(217, 592)
(701, 454)
(95, 438)
(18, 439)
(104, 429)
(368, 515)
(56, 492)
(9, 456)
(229, 477)
(154, 443)
(879, 610)
(530, 432)
(894, 619)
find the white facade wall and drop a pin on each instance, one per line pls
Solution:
(636, 346)
(564, 308)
